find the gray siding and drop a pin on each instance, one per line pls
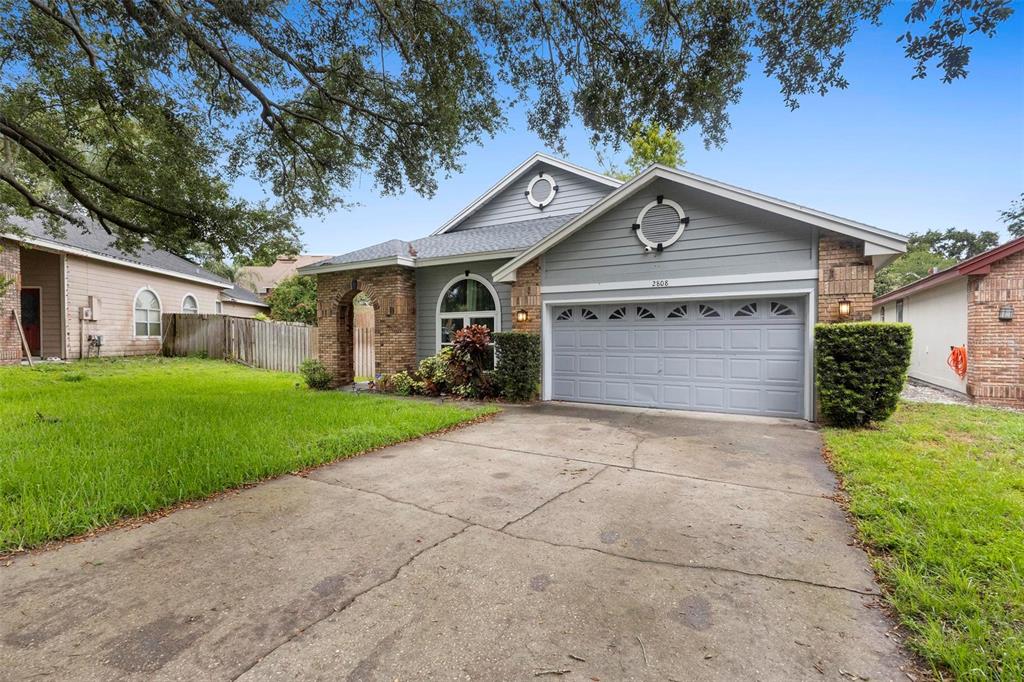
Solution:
(723, 238)
(575, 194)
(429, 284)
(741, 290)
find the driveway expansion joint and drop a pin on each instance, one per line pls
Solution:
(351, 600)
(566, 458)
(702, 567)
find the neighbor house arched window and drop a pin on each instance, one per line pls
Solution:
(466, 300)
(189, 304)
(147, 313)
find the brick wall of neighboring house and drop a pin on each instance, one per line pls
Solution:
(526, 296)
(995, 349)
(844, 272)
(10, 300)
(392, 289)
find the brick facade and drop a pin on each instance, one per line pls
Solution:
(526, 296)
(844, 272)
(392, 289)
(10, 300)
(995, 349)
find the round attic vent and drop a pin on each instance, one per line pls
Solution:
(541, 191)
(661, 223)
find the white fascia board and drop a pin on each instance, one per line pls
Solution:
(73, 251)
(230, 299)
(712, 280)
(466, 258)
(356, 265)
(883, 239)
(514, 174)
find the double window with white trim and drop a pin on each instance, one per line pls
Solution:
(147, 313)
(466, 300)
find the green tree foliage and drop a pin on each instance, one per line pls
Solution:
(1013, 217)
(142, 114)
(294, 300)
(648, 144)
(909, 268)
(929, 250)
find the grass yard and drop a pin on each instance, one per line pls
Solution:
(85, 444)
(938, 494)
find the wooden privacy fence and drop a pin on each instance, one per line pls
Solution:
(362, 351)
(268, 345)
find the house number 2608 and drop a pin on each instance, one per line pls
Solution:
(658, 283)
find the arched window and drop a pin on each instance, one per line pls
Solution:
(189, 304)
(464, 301)
(147, 314)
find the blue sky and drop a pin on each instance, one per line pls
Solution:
(905, 155)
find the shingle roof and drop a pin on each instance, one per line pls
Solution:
(97, 241)
(243, 295)
(495, 238)
(263, 277)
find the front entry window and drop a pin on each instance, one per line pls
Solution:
(466, 301)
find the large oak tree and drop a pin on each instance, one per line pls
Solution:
(142, 114)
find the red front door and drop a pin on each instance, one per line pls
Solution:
(30, 319)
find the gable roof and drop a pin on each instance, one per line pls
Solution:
(262, 277)
(239, 294)
(97, 244)
(494, 241)
(976, 265)
(883, 241)
(514, 175)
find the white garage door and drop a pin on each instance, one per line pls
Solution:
(744, 356)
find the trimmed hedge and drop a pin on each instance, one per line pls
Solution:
(316, 375)
(518, 368)
(861, 369)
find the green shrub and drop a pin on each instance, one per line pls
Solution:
(861, 369)
(403, 383)
(518, 370)
(435, 372)
(316, 375)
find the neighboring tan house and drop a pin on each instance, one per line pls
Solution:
(670, 290)
(263, 278)
(978, 303)
(77, 296)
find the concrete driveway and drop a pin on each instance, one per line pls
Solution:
(554, 542)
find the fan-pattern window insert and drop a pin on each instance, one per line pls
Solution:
(189, 305)
(618, 314)
(678, 313)
(588, 314)
(565, 314)
(781, 310)
(706, 311)
(643, 313)
(747, 310)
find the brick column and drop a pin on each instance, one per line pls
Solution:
(844, 272)
(526, 296)
(392, 290)
(995, 349)
(10, 299)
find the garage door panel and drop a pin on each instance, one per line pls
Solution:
(676, 366)
(709, 368)
(589, 364)
(745, 369)
(646, 366)
(709, 339)
(748, 364)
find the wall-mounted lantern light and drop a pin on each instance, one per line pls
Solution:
(844, 309)
(522, 316)
(1006, 313)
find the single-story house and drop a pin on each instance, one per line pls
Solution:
(78, 296)
(263, 278)
(670, 290)
(977, 304)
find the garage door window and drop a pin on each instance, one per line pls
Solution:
(466, 301)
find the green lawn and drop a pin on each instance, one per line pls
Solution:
(85, 444)
(938, 494)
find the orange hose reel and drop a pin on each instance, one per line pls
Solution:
(958, 360)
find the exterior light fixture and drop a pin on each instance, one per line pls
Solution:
(1006, 313)
(522, 316)
(844, 308)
